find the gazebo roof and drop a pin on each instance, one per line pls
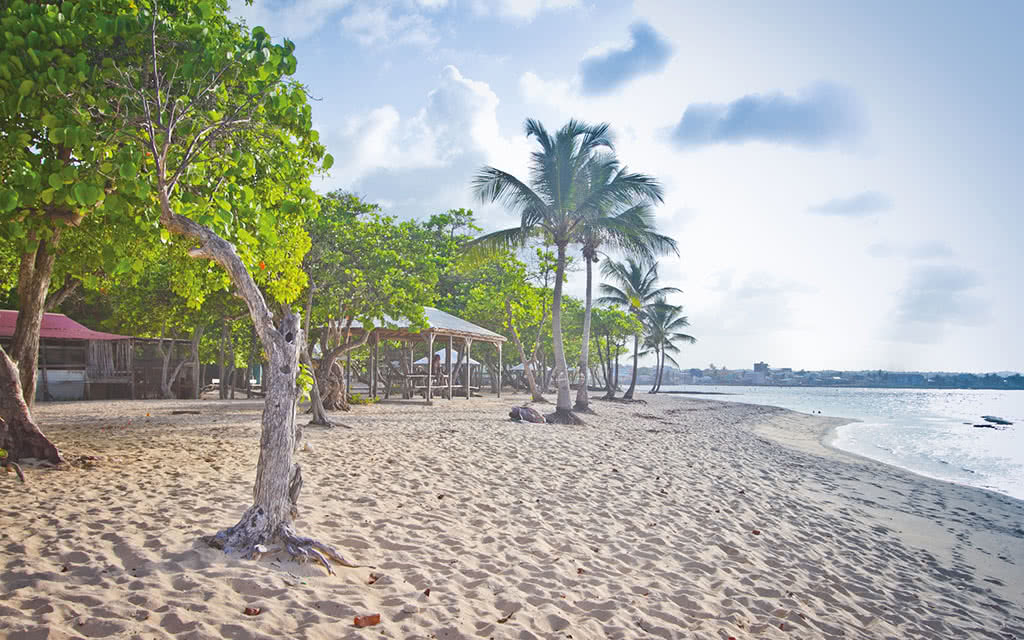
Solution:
(439, 323)
(455, 357)
(56, 326)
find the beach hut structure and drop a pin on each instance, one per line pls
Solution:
(440, 325)
(77, 363)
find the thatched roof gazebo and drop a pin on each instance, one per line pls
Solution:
(439, 325)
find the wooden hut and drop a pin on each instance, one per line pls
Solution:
(77, 363)
(440, 325)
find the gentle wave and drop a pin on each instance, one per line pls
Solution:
(926, 431)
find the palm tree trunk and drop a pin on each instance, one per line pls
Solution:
(657, 370)
(563, 407)
(582, 394)
(636, 356)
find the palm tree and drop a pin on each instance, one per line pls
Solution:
(637, 292)
(663, 322)
(561, 192)
(631, 231)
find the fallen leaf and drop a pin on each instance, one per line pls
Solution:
(426, 592)
(579, 571)
(252, 611)
(756, 532)
(372, 578)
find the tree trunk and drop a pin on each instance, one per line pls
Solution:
(33, 282)
(657, 370)
(197, 383)
(167, 382)
(612, 381)
(527, 364)
(222, 390)
(278, 480)
(636, 356)
(19, 435)
(583, 394)
(563, 407)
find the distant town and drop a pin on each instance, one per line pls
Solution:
(764, 375)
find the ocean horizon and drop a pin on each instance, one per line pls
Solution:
(930, 432)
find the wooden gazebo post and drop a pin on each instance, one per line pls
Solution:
(448, 367)
(469, 365)
(376, 363)
(499, 369)
(430, 366)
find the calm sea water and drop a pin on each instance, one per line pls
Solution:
(922, 430)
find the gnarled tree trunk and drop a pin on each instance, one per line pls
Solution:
(636, 356)
(19, 435)
(278, 479)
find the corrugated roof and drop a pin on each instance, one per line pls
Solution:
(439, 320)
(56, 326)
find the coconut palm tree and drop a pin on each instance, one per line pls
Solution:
(663, 322)
(637, 291)
(631, 231)
(561, 191)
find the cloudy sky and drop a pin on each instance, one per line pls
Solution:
(844, 181)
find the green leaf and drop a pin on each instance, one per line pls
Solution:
(49, 120)
(47, 195)
(55, 180)
(15, 230)
(205, 10)
(328, 161)
(165, 236)
(128, 170)
(8, 200)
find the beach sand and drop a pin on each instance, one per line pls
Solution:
(678, 518)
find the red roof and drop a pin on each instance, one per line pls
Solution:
(56, 325)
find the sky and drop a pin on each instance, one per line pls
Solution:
(843, 179)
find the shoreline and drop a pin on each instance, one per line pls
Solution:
(676, 518)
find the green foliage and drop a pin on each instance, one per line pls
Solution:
(304, 382)
(366, 265)
(358, 398)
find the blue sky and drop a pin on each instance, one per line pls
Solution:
(842, 178)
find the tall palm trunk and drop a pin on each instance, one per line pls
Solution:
(636, 356)
(657, 370)
(582, 394)
(563, 405)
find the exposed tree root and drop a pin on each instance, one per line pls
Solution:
(7, 465)
(584, 408)
(252, 537)
(563, 416)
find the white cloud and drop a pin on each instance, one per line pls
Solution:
(430, 155)
(296, 19)
(520, 10)
(371, 25)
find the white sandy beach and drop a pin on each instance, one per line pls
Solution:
(679, 518)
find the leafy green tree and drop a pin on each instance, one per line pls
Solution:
(637, 291)
(58, 166)
(611, 328)
(663, 323)
(554, 204)
(503, 300)
(364, 266)
(211, 126)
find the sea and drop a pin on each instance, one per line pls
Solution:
(928, 431)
